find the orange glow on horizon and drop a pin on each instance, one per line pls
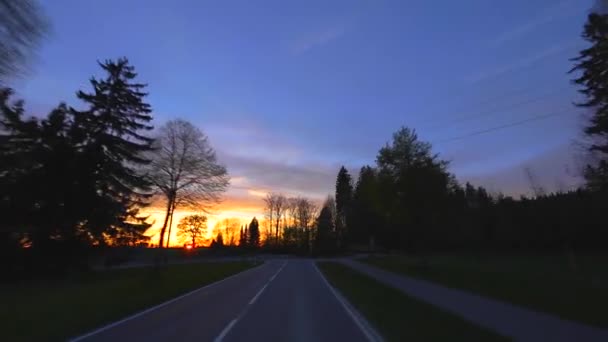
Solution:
(241, 209)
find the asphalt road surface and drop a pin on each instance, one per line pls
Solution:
(278, 301)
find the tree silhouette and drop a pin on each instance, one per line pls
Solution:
(324, 237)
(22, 26)
(184, 169)
(192, 228)
(592, 63)
(254, 233)
(114, 149)
(344, 195)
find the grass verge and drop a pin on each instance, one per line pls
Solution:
(56, 310)
(539, 283)
(399, 317)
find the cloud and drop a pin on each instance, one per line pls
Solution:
(264, 175)
(311, 40)
(546, 16)
(522, 63)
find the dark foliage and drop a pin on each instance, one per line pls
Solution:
(70, 181)
(410, 202)
(592, 64)
(344, 196)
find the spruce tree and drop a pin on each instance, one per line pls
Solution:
(254, 233)
(344, 195)
(115, 123)
(592, 63)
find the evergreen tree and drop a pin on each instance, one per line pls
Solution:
(219, 240)
(241, 238)
(344, 194)
(254, 233)
(246, 237)
(114, 123)
(324, 239)
(592, 64)
(365, 220)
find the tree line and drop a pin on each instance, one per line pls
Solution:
(410, 201)
(75, 180)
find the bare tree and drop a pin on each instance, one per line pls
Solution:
(185, 171)
(21, 27)
(537, 189)
(192, 228)
(276, 205)
(305, 212)
(231, 226)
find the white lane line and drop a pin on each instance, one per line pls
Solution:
(266, 285)
(221, 336)
(227, 329)
(258, 294)
(365, 328)
(111, 325)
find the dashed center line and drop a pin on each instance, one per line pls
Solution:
(227, 329)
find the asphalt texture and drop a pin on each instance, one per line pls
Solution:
(281, 300)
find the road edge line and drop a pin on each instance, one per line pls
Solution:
(358, 318)
(158, 306)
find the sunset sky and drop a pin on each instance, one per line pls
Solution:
(289, 92)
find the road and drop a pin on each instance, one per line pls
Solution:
(278, 301)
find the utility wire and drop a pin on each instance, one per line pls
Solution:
(512, 124)
(499, 110)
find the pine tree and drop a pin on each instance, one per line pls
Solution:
(246, 237)
(241, 238)
(115, 122)
(325, 221)
(593, 64)
(344, 195)
(254, 233)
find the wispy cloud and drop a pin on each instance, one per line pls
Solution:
(315, 39)
(546, 16)
(523, 63)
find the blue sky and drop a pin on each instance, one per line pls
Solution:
(288, 91)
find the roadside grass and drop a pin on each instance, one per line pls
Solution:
(398, 317)
(60, 309)
(542, 283)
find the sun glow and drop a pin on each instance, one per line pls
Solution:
(238, 209)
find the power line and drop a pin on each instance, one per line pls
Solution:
(513, 124)
(499, 110)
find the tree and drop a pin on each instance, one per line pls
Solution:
(219, 240)
(592, 64)
(254, 233)
(184, 170)
(242, 238)
(365, 219)
(114, 148)
(21, 28)
(230, 227)
(276, 205)
(344, 195)
(415, 185)
(324, 238)
(192, 228)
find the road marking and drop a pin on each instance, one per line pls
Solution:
(227, 329)
(258, 294)
(221, 336)
(268, 283)
(365, 328)
(141, 313)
